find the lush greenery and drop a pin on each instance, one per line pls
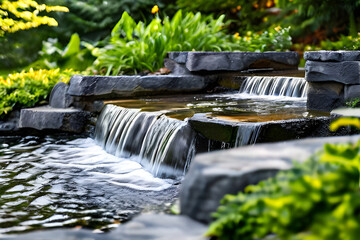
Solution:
(319, 199)
(134, 48)
(25, 89)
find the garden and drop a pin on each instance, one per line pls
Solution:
(133, 84)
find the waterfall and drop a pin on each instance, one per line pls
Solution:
(275, 86)
(163, 145)
(247, 134)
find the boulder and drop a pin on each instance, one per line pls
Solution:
(59, 97)
(212, 175)
(325, 96)
(351, 91)
(346, 72)
(332, 56)
(48, 118)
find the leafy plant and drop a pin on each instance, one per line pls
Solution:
(275, 39)
(54, 55)
(353, 103)
(24, 14)
(25, 89)
(135, 47)
(318, 199)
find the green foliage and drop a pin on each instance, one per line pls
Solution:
(275, 39)
(353, 103)
(318, 199)
(245, 15)
(54, 55)
(135, 47)
(94, 19)
(331, 16)
(26, 89)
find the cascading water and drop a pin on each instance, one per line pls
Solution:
(275, 86)
(163, 145)
(247, 134)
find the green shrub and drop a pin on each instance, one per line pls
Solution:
(134, 48)
(319, 199)
(27, 89)
(74, 56)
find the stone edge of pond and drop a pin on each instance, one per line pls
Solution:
(142, 227)
(212, 175)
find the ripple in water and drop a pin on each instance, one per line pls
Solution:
(51, 182)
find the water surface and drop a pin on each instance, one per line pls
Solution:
(54, 182)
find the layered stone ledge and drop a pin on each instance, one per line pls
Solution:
(213, 175)
(235, 61)
(334, 78)
(59, 119)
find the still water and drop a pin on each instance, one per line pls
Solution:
(53, 181)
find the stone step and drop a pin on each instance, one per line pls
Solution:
(212, 175)
(235, 61)
(59, 119)
(106, 87)
(332, 56)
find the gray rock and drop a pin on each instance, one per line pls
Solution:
(178, 57)
(332, 56)
(47, 118)
(176, 68)
(239, 61)
(123, 86)
(325, 96)
(161, 227)
(102, 85)
(143, 227)
(212, 175)
(342, 72)
(172, 83)
(59, 97)
(351, 92)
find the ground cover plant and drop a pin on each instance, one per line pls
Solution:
(318, 199)
(26, 89)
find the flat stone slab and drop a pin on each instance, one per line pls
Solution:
(235, 61)
(61, 119)
(143, 227)
(212, 175)
(347, 72)
(332, 56)
(118, 86)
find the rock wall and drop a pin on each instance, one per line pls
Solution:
(334, 78)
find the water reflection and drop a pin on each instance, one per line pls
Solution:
(52, 182)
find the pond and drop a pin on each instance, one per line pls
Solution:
(54, 181)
